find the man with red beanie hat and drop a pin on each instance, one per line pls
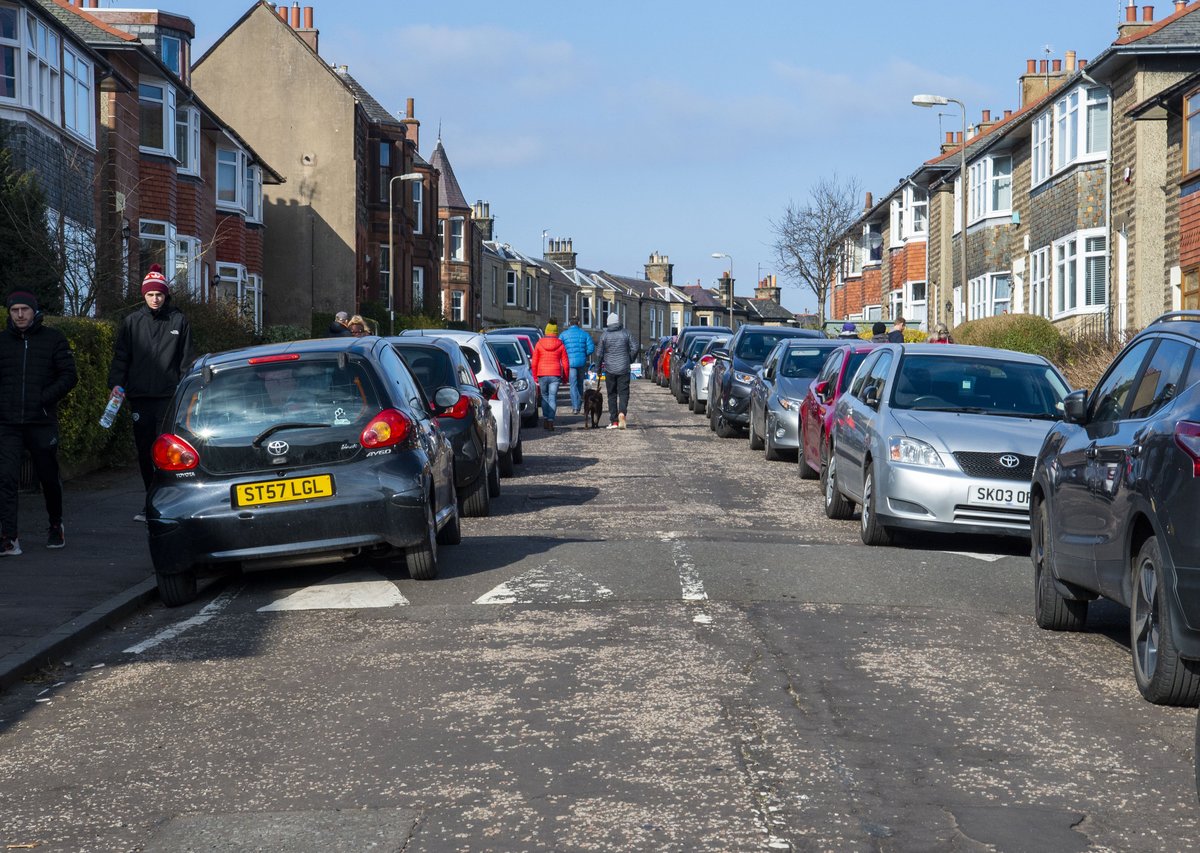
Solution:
(152, 352)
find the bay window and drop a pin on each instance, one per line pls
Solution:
(989, 295)
(253, 200)
(1191, 131)
(991, 187)
(910, 213)
(1039, 282)
(157, 103)
(1040, 157)
(1081, 273)
(78, 103)
(1076, 128)
(231, 179)
(157, 244)
(457, 250)
(187, 139)
(42, 69)
(10, 51)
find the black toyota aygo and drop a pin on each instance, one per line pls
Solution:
(300, 453)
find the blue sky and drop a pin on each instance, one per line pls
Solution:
(682, 128)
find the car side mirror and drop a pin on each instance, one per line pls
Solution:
(721, 353)
(820, 388)
(871, 397)
(446, 398)
(509, 375)
(1075, 407)
(489, 389)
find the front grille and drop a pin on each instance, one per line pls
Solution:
(987, 465)
(991, 516)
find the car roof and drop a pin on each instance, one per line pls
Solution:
(967, 352)
(446, 344)
(790, 331)
(457, 334)
(1181, 322)
(309, 346)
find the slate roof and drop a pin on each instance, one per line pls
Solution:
(450, 194)
(702, 297)
(86, 27)
(1184, 30)
(374, 110)
(769, 309)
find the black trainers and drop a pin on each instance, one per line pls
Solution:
(56, 536)
(9, 547)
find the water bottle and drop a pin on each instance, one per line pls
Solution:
(114, 405)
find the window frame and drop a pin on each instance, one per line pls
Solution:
(162, 54)
(1079, 254)
(1191, 123)
(167, 112)
(982, 295)
(984, 180)
(13, 44)
(456, 306)
(418, 289)
(78, 90)
(239, 181)
(253, 203)
(1040, 283)
(42, 61)
(510, 288)
(187, 122)
(418, 198)
(457, 232)
(1041, 136)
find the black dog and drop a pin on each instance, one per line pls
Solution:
(593, 407)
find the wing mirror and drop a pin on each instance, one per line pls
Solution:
(820, 388)
(1075, 407)
(489, 389)
(721, 353)
(445, 399)
(509, 375)
(871, 397)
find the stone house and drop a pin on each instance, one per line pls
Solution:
(461, 247)
(518, 290)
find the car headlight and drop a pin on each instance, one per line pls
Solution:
(910, 451)
(789, 404)
(521, 384)
(744, 378)
(685, 372)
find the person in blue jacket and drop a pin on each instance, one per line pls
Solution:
(579, 346)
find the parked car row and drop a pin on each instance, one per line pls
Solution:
(958, 439)
(323, 450)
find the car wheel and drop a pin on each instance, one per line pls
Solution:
(772, 452)
(1050, 609)
(493, 479)
(478, 502)
(873, 533)
(756, 442)
(421, 560)
(1162, 676)
(712, 417)
(518, 452)
(696, 405)
(807, 472)
(836, 505)
(530, 420)
(504, 462)
(177, 588)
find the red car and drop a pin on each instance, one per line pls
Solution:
(816, 410)
(664, 363)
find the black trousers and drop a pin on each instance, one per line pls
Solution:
(148, 413)
(617, 385)
(42, 442)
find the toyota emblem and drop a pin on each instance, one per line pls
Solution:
(279, 448)
(1009, 460)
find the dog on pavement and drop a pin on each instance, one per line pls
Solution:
(593, 407)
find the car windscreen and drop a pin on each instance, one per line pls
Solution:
(756, 346)
(697, 347)
(430, 365)
(510, 353)
(240, 403)
(802, 362)
(983, 386)
(856, 358)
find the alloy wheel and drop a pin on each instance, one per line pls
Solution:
(1146, 620)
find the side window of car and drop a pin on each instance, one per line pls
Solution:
(829, 369)
(1160, 381)
(769, 367)
(879, 374)
(397, 373)
(858, 388)
(1111, 395)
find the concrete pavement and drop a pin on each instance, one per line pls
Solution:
(50, 599)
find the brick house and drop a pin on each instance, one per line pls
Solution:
(461, 246)
(857, 291)
(342, 153)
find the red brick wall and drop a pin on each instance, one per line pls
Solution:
(254, 248)
(157, 190)
(230, 239)
(1189, 231)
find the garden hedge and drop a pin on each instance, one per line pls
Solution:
(1020, 332)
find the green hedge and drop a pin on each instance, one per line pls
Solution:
(1020, 332)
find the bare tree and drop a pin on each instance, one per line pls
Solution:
(810, 240)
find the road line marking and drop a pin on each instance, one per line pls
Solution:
(987, 558)
(547, 584)
(689, 579)
(354, 590)
(210, 610)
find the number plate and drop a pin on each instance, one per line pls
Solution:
(283, 491)
(1006, 496)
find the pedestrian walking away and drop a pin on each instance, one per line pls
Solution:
(896, 335)
(37, 370)
(550, 366)
(152, 351)
(579, 346)
(614, 355)
(340, 327)
(849, 330)
(879, 333)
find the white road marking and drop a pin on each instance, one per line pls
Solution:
(689, 579)
(987, 558)
(353, 590)
(547, 584)
(210, 610)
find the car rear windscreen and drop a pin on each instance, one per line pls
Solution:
(430, 365)
(802, 362)
(511, 354)
(756, 346)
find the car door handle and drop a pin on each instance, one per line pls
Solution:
(1090, 452)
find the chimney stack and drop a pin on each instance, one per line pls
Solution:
(870, 202)
(412, 127)
(1048, 77)
(308, 32)
(481, 215)
(1131, 26)
(1070, 61)
(767, 289)
(725, 289)
(562, 253)
(660, 270)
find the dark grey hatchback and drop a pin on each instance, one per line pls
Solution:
(1114, 507)
(300, 453)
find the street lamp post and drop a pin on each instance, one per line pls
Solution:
(940, 101)
(407, 176)
(731, 280)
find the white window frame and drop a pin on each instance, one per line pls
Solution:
(79, 102)
(12, 47)
(585, 311)
(1040, 137)
(168, 115)
(456, 305)
(239, 181)
(916, 200)
(676, 316)
(254, 194)
(854, 257)
(871, 313)
(43, 65)
(418, 197)
(418, 289)
(177, 67)
(984, 298)
(159, 231)
(457, 233)
(957, 217)
(252, 292)
(985, 179)
(187, 125)
(1072, 272)
(1039, 282)
(898, 226)
(187, 264)
(916, 310)
(870, 229)
(1074, 114)
(510, 287)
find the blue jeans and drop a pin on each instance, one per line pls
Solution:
(549, 386)
(577, 376)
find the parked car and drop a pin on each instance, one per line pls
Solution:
(496, 383)
(687, 364)
(733, 373)
(816, 410)
(510, 350)
(698, 382)
(679, 352)
(533, 332)
(940, 439)
(298, 453)
(777, 391)
(470, 425)
(664, 363)
(653, 354)
(1116, 488)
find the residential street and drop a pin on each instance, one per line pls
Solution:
(656, 641)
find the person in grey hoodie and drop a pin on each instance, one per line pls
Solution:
(614, 355)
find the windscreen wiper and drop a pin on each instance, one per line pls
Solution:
(271, 430)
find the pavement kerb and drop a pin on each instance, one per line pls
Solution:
(44, 650)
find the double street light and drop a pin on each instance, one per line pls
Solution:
(941, 101)
(407, 176)
(720, 255)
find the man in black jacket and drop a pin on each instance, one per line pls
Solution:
(37, 370)
(152, 351)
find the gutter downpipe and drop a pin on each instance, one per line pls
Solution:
(1108, 314)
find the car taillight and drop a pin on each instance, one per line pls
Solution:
(172, 453)
(1187, 436)
(459, 410)
(706, 360)
(385, 429)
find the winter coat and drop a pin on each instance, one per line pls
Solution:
(579, 346)
(152, 352)
(337, 330)
(895, 336)
(616, 350)
(37, 369)
(550, 357)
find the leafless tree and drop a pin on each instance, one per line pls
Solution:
(810, 239)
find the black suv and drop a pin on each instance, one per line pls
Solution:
(298, 453)
(733, 374)
(679, 353)
(1116, 490)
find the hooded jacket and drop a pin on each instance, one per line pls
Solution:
(550, 357)
(152, 351)
(37, 370)
(616, 350)
(579, 345)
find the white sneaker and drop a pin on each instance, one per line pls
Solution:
(612, 426)
(621, 421)
(9, 547)
(141, 516)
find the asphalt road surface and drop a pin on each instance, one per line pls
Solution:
(656, 642)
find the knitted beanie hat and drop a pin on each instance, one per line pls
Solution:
(613, 318)
(155, 280)
(22, 297)
(551, 328)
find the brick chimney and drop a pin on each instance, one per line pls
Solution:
(1131, 26)
(660, 270)
(868, 202)
(767, 289)
(485, 223)
(562, 252)
(412, 126)
(725, 289)
(308, 32)
(949, 145)
(1044, 76)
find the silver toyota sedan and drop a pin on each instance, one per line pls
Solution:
(778, 390)
(942, 439)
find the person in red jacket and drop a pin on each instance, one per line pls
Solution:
(550, 368)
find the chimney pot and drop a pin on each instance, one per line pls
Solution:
(1082, 64)
(1070, 61)
(958, 137)
(987, 116)
(1131, 14)
(1031, 66)
(870, 202)
(1179, 5)
(1008, 114)
(1044, 66)
(949, 137)
(308, 17)
(1057, 66)
(295, 16)
(409, 108)
(282, 11)
(1147, 14)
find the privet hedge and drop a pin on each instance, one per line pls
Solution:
(1020, 332)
